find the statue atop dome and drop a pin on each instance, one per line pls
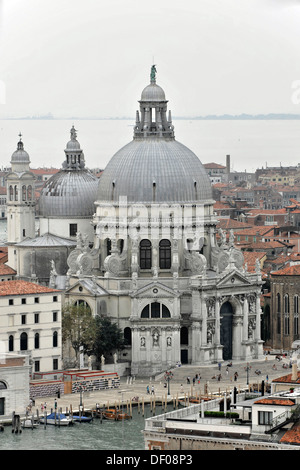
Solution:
(153, 74)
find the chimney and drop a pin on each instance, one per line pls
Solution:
(294, 371)
(227, 164)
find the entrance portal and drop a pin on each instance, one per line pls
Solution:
(226, 314)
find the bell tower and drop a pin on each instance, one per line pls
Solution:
(20, 183)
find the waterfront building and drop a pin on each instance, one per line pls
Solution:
(268, 422)
(30, 323)
(14, 383)
(157, 268)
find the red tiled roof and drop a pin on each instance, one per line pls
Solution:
(23, 288)
(292, 436)
(4, 270)
(288, 379)
(258, 230)
(266, 245)
(288, 271)
(214, 165)
(275, 401)
(232, 224)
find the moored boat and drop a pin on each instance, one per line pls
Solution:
(115, 414)
(82, 419)
(58, 419)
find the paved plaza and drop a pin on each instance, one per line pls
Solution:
(270, 369)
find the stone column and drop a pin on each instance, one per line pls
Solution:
(204, 323)
(218, 321)
(245, 319)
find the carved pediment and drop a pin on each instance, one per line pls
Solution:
(156, 289)
(233, 278)
(87, 287)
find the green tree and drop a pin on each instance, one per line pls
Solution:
(108, 337)
(78, 327)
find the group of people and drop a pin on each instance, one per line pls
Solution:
(152, 389)
(195, 379)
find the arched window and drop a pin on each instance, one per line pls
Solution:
(36, 341)
(108, 247)
(296, 315)
(127, 336)
(29, 193)
(11, 193)
(165, 254)
(82, 303)
(296, 304)
(16, 192)
(3, 385)
(55, 339)
(23, 342)
(145, 254)
(286, 304)
(278, 303)
(23, 193)
(155, 310)
(10, 343)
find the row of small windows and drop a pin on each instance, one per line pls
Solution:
(26, 193)
(286, 303)
(164, 254)
(24, 300)
(24, 341)
(37, 318)
(145, 251)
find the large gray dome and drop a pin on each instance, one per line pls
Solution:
(154, 167)
(154, 170)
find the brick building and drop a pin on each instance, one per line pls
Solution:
(284, 306)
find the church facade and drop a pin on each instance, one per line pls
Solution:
(157, 268)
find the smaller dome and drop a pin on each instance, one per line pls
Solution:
(153, 92)
(20, 155)
(73, 145)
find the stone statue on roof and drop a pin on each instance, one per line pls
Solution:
(153, 73)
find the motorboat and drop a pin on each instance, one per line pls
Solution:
(115, 414)
(58, 419)
(82, 419)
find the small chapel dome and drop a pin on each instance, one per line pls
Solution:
(72, 191)
(20, 155)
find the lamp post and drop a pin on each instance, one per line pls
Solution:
(247, 369)
(168, 376)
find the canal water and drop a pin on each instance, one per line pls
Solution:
(96, 435)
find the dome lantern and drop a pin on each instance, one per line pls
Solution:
(153, 109)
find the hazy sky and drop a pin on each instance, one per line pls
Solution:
(93, 57)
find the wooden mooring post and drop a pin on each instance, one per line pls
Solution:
(16, 423)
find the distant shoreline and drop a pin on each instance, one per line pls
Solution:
(223, 117)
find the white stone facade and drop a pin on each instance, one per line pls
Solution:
(30, 323)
